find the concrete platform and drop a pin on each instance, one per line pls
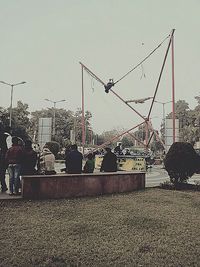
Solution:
(78, 185)
(6, 195)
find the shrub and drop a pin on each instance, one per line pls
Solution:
(167, 185)
(181, 162)
(53, 146)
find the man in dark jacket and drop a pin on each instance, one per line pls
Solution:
(74, 160)
(29, 159)
(109, 163)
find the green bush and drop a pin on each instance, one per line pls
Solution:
(54, 147)
(181, 162)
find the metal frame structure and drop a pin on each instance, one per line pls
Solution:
(146, 120)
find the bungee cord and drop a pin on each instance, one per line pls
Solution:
(140, 63)
(92, 74)
(143, 73)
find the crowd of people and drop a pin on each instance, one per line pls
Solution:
(74, 158)
(20, 157)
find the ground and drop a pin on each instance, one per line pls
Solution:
(154, 227)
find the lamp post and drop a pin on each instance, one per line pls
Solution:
(11, 97)
(54, 112)
(163, 107)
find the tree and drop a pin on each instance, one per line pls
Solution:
(66, 121)
(181, 162)
(63, 125)
(156, 146)
(20, 120)
(127, 141)
(106, 136)
(185, 116)
(4, 116)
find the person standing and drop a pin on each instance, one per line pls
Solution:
(74, 160)
(5, 144)
(109, 163)
(13, 159)
(29, 159)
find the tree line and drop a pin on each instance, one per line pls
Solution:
(25, 125)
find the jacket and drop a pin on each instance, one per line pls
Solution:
(14, 155)
(74, 162)
(89, 166)
(47, 161)
(109, 163)
(29, 160)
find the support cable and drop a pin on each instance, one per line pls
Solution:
(140, 63)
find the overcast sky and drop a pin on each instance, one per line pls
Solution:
(42, 42)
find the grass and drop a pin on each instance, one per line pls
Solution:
(148, 228)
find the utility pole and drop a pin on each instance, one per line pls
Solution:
(54, 113)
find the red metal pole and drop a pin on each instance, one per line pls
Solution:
(92, 74)
(162, 68)
(128, 104)
(83, 113)
(146, 135)
(109, 141)
(132, 135)
(173, 91)
(98, 79)
(150, 125)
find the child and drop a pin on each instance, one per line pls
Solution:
(89, 165)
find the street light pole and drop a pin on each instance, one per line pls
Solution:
(11, 98)
(54, 113)
(163, 108)
(54, 118)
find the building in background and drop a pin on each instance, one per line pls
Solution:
(169, 133)
(44, 131)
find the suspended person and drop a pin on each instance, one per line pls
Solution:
(109, 85)
(5, 144)
(109, 163)
(14, 160)
(29, 159)
(90, 164)
(47, 162)
(74, 160)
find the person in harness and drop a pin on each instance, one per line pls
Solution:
(109, 85)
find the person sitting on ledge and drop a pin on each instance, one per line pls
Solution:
(89, 165)
(109, 163)
(74, 160)
(29, 159)
(47, 162)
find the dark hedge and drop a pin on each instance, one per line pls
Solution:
(181, 162)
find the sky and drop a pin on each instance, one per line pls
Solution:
(42, 43)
